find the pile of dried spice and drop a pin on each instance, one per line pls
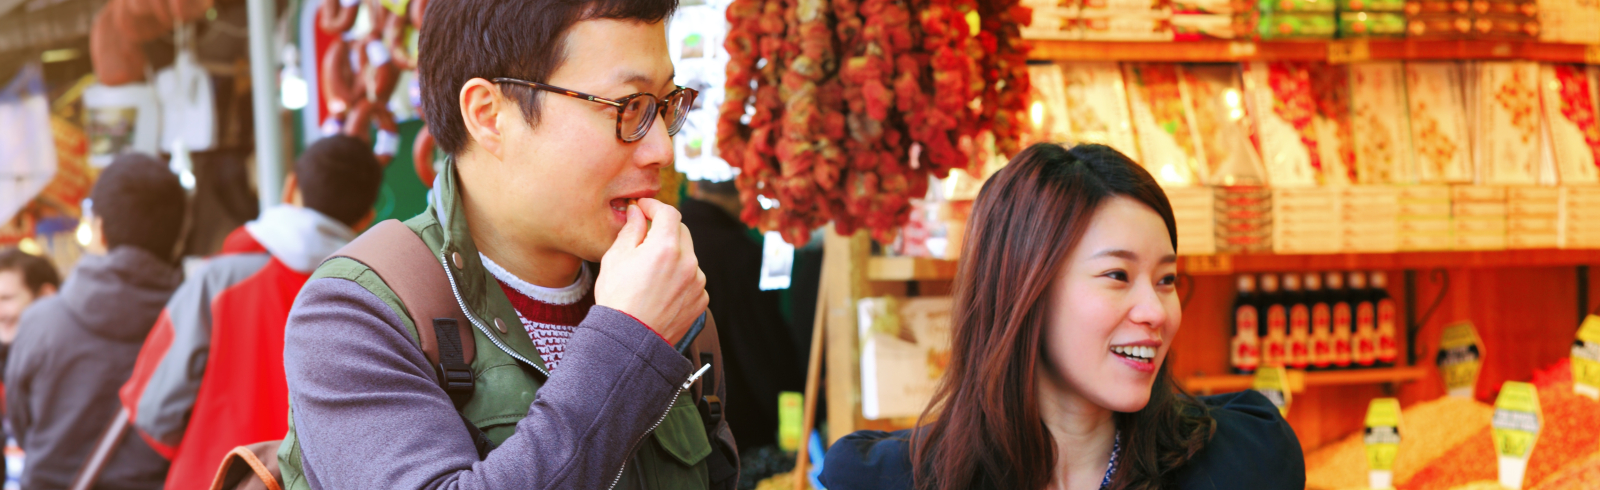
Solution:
(1430, 429)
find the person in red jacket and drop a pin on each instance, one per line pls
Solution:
(210, 375)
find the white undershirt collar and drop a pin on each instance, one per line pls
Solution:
(555, 296)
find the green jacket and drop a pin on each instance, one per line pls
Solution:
(617, 416)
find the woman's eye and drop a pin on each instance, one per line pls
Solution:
(1117, 275)
(1169, 280)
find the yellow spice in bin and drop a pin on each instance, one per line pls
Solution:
(1431, 429)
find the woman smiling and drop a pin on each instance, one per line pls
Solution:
(1065, 310)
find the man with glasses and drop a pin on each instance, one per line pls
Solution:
(575, 285)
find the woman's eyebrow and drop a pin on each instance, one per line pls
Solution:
(1129, 255)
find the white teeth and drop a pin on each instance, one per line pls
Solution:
(1140, 352)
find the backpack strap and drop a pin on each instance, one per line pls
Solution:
(406, 264)
(722, 464)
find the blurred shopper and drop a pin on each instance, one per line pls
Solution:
(24, 279)
(73, 350)
(1065, 309)
(541, 183)
(210, 376)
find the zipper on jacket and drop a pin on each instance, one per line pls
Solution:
(663, 418)
(481, 327)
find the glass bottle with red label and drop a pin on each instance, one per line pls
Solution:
(1343, 323)
(1275, 335)
(1245, 349)
(1364, 343)
(1388, 343)
(1299, 323)
(1321, 319)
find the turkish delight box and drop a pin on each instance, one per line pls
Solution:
(1097, 106)
(1216, 105)
(1048, 109)
(1161, 120)
(1570, 117)
(1507, 119)
(1301, 113)
(1439, 122)
(1380, 124)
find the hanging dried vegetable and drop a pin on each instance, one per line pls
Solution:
(840, 110)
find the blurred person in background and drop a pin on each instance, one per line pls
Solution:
(24, 279)
(73, 350)
(210, 376)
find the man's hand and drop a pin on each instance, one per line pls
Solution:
(654, 275)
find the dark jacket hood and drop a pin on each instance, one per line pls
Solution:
(105, 290)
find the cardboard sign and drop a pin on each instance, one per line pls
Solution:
(1382, 438)
(1586, 359)
(1516, 424)
(1460, 358)
(1273, 382)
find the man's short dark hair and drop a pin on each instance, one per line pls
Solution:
(36, 271)
(140, 203)
(524, 39)
(339, 177)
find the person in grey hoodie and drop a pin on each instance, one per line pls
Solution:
(75, 349)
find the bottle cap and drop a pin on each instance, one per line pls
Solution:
(1291, 283)
(1247, 283)
(1358, 280)
(1269, 283)
(1380, 280)
(1313, 281)
(1335, 281)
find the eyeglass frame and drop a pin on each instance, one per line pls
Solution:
(621, 104)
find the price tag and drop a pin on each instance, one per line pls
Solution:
(1207, 264)
(1340, 52)
(1382, 438)
(1586, 359)
(1591, 54)
(791, 413)
(1460, 358)
(1242, 49)
(1273, 382)
(1516, 426)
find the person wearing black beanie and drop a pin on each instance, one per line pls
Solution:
(75, 349)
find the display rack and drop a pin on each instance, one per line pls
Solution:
(1333, 51)
(925, 269)
(1299, 380)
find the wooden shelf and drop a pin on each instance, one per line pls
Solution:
(910, 269)
(1299, 380)
(922, 269)
(1334, 51)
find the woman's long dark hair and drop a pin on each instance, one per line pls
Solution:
(984, 428)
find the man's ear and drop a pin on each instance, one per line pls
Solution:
(291, 191)
(365, 221)
(481, 104)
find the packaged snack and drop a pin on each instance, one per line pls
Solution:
(1097, 104)
(1372, 24)
(1212, 6)
(1048, 106)
(1507, 122)
(1278, 6)
(1372, 5)
(1438, 26)
(1505, 27)
(1429, 7)
(1439, 122)
(1166, 138)
(1054, 23)
(1198, 27)
(1570, 114)
(1217, 107)
(1296, 26)
(1381, 124)
(1113, 26)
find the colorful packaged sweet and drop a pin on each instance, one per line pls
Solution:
(1097, 106)
(1507, 122)
(1302, 116)
(1569, 113)
(1381, 124)
(1511, 27)
(1228, 157)
(1167, 140)
(1122, 26)
(1435, 7)
(1048, 107)
(1212, 6)
(1126, 6)
(1296, 6)
(1439, 26)
(1318, 25)
(1439, 122)
(1055, 23)
(1372, 5)
(1199, 27)
(1371, 24)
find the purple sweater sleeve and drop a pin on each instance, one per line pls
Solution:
(369, 414)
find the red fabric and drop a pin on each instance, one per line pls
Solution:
(150, 356)
(549, 325)
(240, 241)
(243, 398)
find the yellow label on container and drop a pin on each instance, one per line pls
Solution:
(1516, 420)
(1382, 435)
(1586, 359)
(1273, 382)
(1460, 358)
(791, 414)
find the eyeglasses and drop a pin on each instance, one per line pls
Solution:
(635, 113)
